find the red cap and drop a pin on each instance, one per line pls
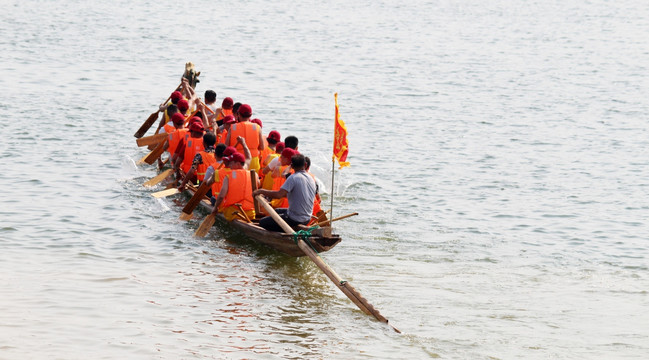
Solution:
(178, 118)
(229, 119)
(274, 135)
(237, 156)
(196, 126)
(195, 119)
(288, 153)
(175, 96)
(245, 110)
(279, 147)
(227, 103)
(183, 105)
(257, 121)
(229, 151)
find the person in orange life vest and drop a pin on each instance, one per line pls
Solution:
(223, 130)
(249, 131)
(279, 147)
(183, 106)
(289, 142)
(258, 122)
(175, 136)
(271, 141)
(202, 160)
(175, 97)
(317, 201)
(220, 172)
(217, 181)
(224, 110)
(300, 189)
(236, 189)
(169, 127)
(279, 176)
(192, 145)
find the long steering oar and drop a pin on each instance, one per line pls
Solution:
(151, 119)
(344, 286)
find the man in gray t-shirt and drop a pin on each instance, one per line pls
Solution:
(300, 188)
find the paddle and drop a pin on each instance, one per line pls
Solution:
(323, 223)
(158, 178)
(253, 177)
(151, 140)
(206, 225)
(194, 201)
(151, 119)
(165, 193)
(155, 154)
(344, 286)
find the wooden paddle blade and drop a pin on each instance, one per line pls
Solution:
(185, 216)
(195, 200)
(155, 154)
(165, 193)
(158, 178)
(146, 125)
(206, 225)
(151, 140)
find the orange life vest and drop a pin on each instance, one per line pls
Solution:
(169, 128)
(174, 139)
(220, 174)
(223, 113)
(192, 147)
(208, 159)
(277, 184)
(239, 190)
(250, 132)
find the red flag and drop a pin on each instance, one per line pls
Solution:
(341, 146)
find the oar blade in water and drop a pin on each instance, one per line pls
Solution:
(165, 193)
(206, 225)
(158, 178)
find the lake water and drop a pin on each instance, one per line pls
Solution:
(499, 166)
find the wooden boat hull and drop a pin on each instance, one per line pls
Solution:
(321, 239)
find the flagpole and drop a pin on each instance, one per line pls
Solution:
(333, 163)
(331, 210)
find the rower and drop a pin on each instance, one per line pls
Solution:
(224, 110)
(175, 137)
(192, 145)
(278, 176)
(202, 160)
(250, 132)
(236, 191)
(167, 109)
(225, 128)
(300, 189)
(268, 153)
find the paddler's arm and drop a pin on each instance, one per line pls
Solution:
(281, 193)
(246, 151)
(203, 110)
(222, 193)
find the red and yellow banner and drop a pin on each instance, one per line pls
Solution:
(341, 146)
